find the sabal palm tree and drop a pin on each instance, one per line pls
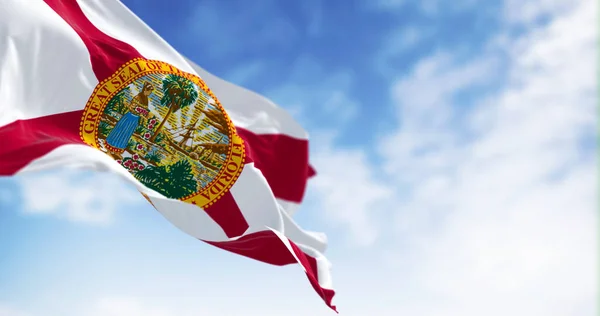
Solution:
(179, 93)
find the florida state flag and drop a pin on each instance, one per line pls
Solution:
(86, 83)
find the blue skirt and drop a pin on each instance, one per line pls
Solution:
(120, 135)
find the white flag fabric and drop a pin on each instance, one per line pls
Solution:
(86, 83)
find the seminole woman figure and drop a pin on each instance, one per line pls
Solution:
(120, 135)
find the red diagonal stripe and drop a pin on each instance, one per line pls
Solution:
(227, 214)
(263, 246)
(283, 160)
(267, 247)
(107, 54)
(23, 141)
(310, 264)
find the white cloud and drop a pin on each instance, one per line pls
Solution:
(348, 190)
(517, 11)
(345, 186)
(128, 307)
(92, 198)
(425, 113)
(499, 217)
(7, 310)
(113, 306)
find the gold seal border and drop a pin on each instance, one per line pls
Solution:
(96, 104)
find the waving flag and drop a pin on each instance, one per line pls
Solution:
(86, 83)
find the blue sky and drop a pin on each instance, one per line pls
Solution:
(454, 145)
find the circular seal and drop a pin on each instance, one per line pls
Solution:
(167, 129)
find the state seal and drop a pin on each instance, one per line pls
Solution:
(167, 128)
